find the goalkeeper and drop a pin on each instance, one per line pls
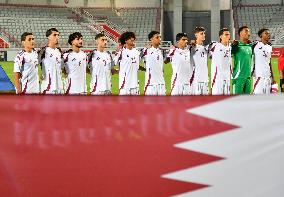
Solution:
(242, 57)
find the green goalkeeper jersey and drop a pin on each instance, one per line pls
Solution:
(242, 56)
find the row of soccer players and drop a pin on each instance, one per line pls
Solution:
(189, 64)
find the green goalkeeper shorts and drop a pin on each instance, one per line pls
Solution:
(242, 86)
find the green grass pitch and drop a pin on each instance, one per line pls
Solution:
(8, 67)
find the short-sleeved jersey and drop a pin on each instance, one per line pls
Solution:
(221, 61)
(154, 63)
(100, 64)
(27, 64)
(51, 66)
(262, 57)
(128, 61)
(242, 56)
(182, 69)
(199, 55)
(75, 65)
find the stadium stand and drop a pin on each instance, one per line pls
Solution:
(256, 16)
(141, 20)
(15, 19)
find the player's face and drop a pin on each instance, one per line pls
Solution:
(265, 35)
(156, 40)
(245, 33)
(225, 37)
(182, 43)
(54, 37)
(29, 43)
(102, 42)
(200, 35)
(130, 42)
(78, 42)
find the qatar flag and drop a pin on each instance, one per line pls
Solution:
(141, 146)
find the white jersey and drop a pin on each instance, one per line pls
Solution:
(75, 65)
(182, 69)
(26, 64)
(154, 63)
(262, 56)
(128, 61)
(51, 66)
(101, 64)
(199, 59)
(221, 62)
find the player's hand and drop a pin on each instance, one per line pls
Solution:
(148, 45)
(142, 68)
(173, 47)
(114, 71)
(192, 42)
(235, 43)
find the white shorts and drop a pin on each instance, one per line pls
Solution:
(200, 88)
(184, 89)
(261, 85)
(129, 91)
(155, 90)
(221, 87)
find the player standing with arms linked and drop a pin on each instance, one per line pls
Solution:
(262, 64)
(51, 65)
(128, 59)
(75, 64)
(199, 54)
(154, 63)
(182, 69)
(221, 66)
(242, 56)
(26, 67)
(101, 67)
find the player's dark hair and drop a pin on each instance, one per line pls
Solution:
(24, 35)
(261, 31)
(222, 31)
(180, 35)
(242, 28)
(126, 36)
(99, 35)
(152, 33)
(198, 29)
(73, 36)
(49, 31)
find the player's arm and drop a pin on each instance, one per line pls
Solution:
(234, 47)
(64, 64)
(112, 70)
(170, 54)
(272, 76)
(18, 65)
(18, 86)
(142, 55)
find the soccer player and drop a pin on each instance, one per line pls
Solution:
(50, 60)
(101, 67)
(128, 59)
(281, 70)
(75, 64)
(199, 54)
(154, 63)
(26, 67)
(221, 64)
(242, 56)
(262, 63)
(182, 69)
